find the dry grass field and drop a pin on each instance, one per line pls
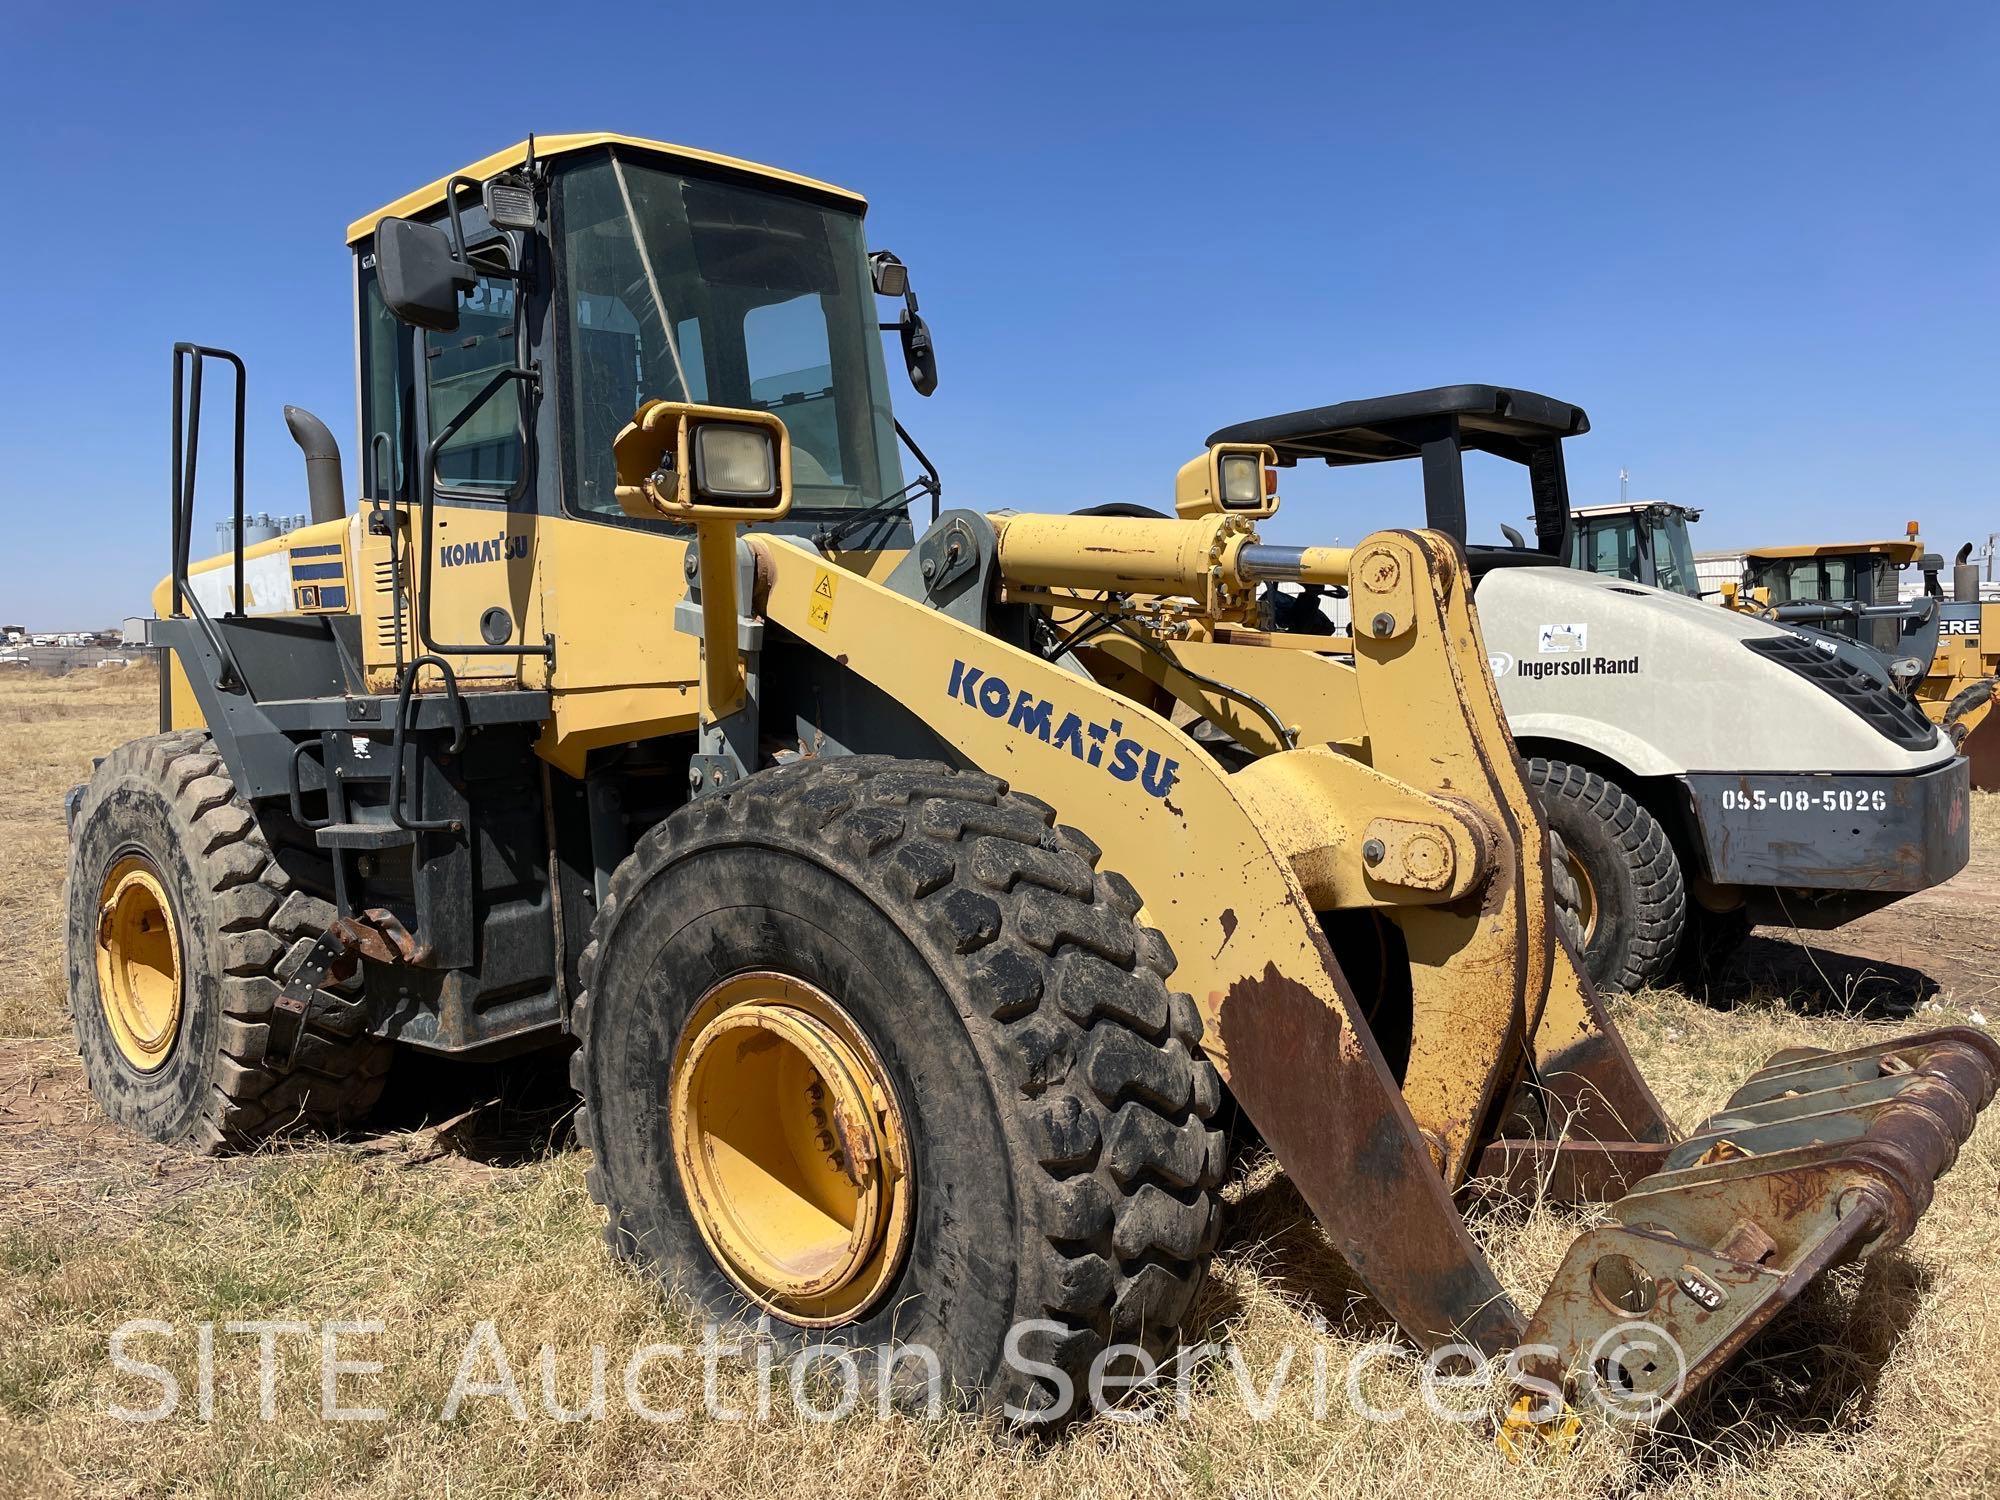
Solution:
(1880, 1382)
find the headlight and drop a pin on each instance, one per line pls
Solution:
(734, 462)
(1242, 479)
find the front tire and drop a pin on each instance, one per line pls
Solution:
(181, 928)
(1633, 901)
(1036, 1081)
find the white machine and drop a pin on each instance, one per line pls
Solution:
(1706, 770)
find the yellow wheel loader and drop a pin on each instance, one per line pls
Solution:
(1939, 649)
(1957, 691)
(907, 959)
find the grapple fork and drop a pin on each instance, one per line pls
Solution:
(1818, 1158)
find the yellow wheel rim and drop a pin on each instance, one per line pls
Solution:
(791, 1148)
(1586, 893)
(139, 963)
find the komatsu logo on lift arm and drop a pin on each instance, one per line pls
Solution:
(1097, 745)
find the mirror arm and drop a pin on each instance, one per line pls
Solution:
(909, 312)
(451, 208)
(930, 481)
(519, 274)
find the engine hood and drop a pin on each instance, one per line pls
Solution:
(1666, 685)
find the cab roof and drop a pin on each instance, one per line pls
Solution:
(546, 146)
(1495, 418)
(1633, 507)
(1904, 549)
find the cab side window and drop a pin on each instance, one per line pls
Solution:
(484, 457)
(1612, 549)
(385, 392)
(484, 454)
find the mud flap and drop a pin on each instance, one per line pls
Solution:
(1820, 1157)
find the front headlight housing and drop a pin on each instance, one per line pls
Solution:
(735, 463)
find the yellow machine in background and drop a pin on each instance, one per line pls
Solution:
(628, 712)
(1957, 692)
(1944, 651)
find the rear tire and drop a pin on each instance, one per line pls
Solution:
(1057, 1109)
(1633, 900)
(166, 807)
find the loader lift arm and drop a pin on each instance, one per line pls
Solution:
(1515, 1073)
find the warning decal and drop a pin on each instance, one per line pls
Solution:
(820, 613)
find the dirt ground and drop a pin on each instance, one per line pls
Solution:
(464, 1206)
(1944, 941)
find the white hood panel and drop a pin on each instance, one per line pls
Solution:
(1662, 684)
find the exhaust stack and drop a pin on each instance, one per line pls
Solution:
(326, 498)
(1965, 577)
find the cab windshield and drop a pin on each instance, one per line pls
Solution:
(1860, 578)
(1673, 556)
(1835, 579)
(680, 288)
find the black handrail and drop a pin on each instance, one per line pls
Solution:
(460, 725)
(295, 789)
(186, 453)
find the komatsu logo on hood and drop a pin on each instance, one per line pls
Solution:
(1096, 745)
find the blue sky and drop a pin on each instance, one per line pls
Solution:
(1755, 242)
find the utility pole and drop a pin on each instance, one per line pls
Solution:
(1624, 485)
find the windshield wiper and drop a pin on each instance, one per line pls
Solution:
(829, 537)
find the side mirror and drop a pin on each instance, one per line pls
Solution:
(919, 357)
(1236, 477)
(686, 462)
(419, 275)
(891, 278)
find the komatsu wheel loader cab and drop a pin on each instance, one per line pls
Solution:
(1706, 770)
(906, 935)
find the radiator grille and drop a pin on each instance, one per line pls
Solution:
(1891, 714)
(389, 606)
